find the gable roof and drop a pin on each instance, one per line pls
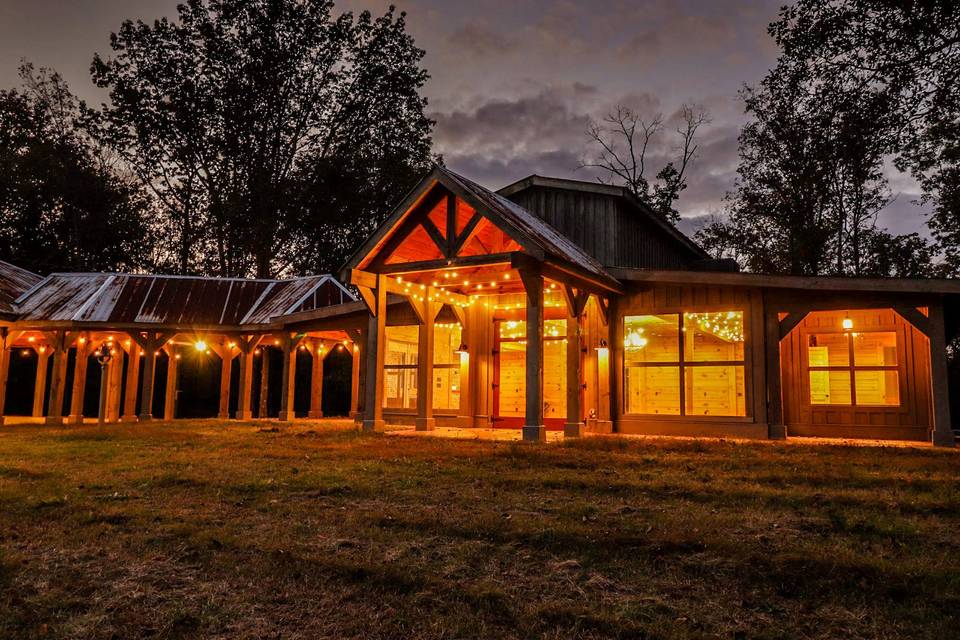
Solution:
(532, 233)
(641, 207)
(172, 301)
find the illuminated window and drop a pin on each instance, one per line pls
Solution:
(512, 358)
(685, 364)
(853, 368)
(400, 368)
(446, 366)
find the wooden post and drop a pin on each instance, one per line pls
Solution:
(248, 348)
(465, 410)
(79, 380)
(173, 369)
(150, 343)
(573, 427)
(263, 405)
(355, 377)
(40, 385)
(289, 343)
(776, 428)
(115, 384)
(533, 427)
(318, 352)
(133, 378)
(60, 349)
(942, 428)
(6, 342)
(376, 353)
(225, 351)
(425, 341)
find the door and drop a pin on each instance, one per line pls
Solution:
(510, 373)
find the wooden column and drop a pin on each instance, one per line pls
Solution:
(114, 384)
(6, 342)
(771, 330)
(173, 370)
(465, 410)
(355, 376)
(264, 405)
(425, 341)
(942, 428)
(134, 357)
(533, 427)
(59, 350)
(79, 380)
(40, 384)
(151, 343)
(573, 427)
(318, 352)
(226, 352)
(289, 344)
(247, 346)
(376, 352)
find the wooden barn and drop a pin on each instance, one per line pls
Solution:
(550, 304)
(559, 304)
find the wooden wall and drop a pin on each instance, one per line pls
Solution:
(909, 421)
(607, 227)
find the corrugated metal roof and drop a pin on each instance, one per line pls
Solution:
(124, 299)
(14, 282)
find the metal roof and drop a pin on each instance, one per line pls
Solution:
(172, 301)
(14, 282)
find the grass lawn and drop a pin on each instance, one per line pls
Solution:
(208, 529)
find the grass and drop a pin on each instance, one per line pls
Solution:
(208, 529)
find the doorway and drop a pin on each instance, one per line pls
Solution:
(510, 373)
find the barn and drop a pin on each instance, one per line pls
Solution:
(548, 305)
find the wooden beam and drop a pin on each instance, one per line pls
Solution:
(455, 262)
(5, 342)
(775, 423)
(533, 427)
(289, 344)
(84, 345)
(425, 343)
(376, 347)
(436, 236)
(913, 316)
(573, 427)
(133, 375)
(791, 322)
(318, 352)
(368, 298)
(450, 247)
(466, 234)
(603, 305)
(356, 356)
(247, 346)
(40, 382)
(59, 342)
(173, 370)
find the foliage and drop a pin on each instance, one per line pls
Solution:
(623, 141)
(63, 204)
(273, 132)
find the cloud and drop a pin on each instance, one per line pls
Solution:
(477, 38)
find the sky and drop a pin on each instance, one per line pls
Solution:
(515, 84)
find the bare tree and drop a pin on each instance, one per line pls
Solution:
(623, 138)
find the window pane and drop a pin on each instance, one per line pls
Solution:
(651, 339)
(713, 336)
(653, 390)
(554, 378)
(402, 345)
(715, 391)
(400, 388)
(875, 349)
(446, 340)
(828, 350)
(829, 387)
(877, 387)
(446, 388)
(512, 398)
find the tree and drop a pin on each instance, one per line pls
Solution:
(63, 205)
(623, 141)
(908, 54)
(243, 118)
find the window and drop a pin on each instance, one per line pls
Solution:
(689, 364)
(511, 369)
(400, 368)
(853, 368)
(446, 366)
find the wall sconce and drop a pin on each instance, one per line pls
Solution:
(461, 349)
(847, 324)
(602, 346)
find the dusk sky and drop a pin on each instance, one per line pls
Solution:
(515, 83)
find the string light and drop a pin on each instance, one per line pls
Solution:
(726, 325)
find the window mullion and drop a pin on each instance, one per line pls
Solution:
(681, 365)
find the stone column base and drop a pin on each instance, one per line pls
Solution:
(572, 429)
(315, 415)
(425, 424)
(534, 433)
(128, 418)
(286, 416)
(146, 417)
(71, 419)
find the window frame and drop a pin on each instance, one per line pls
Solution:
(682, 363)
(455, 366)
(851, 368)
(402, 370)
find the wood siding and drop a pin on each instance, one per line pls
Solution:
(606, 227)
(910, 420)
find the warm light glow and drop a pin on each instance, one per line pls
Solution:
(177, 357)
(200, 345)
(43, 349)
(31, 339)
(81, 340)
(847, 324)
